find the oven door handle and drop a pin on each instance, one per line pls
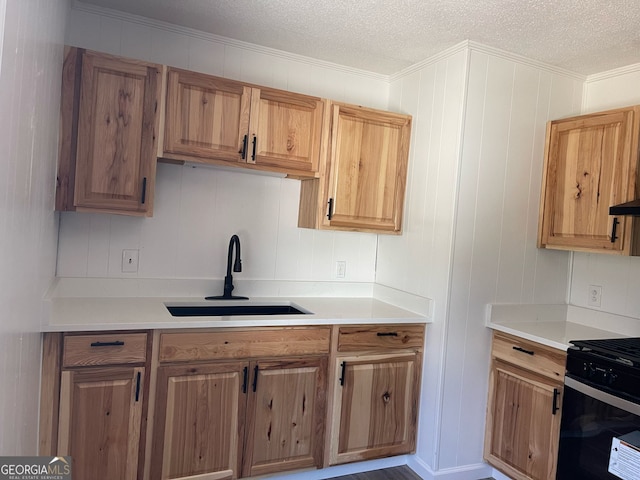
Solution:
(604, 397)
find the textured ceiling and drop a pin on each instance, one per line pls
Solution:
(385, 36)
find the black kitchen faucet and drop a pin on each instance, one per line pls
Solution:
(237, 267)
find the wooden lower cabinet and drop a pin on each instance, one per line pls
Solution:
(523, 413)
(375, 407)
(100, 421)
(286, 415)
(199, 421)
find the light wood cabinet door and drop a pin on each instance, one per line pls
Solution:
(100, 421)
(375, 407)
(285, 130)
(367, 169)
(206, 117)
(199, 421)
(286, 415)
(590, 164)
(523, 425)
(109, 124)
(219, 121)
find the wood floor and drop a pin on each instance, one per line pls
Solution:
(395, 473)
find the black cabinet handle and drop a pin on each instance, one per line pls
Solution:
(330, 213)
(253, 153)
(138, 386)
(344, 368)
(144, 190)
(555, 408)
(245, 380)
(387, 334)
(255, 378)
(520, 349)
(117, 343)
(243, 152)
(614, 230)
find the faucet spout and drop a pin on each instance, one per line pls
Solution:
(234, 242)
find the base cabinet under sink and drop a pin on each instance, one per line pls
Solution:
(229, 403)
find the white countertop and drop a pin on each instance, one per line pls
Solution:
(557, 325)
(133, 313)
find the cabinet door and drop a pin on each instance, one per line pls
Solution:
(523, 426)
(375, 407)
(285, 130)
(199, 421)
(367, 169)
(286, 416)
(206, 117)
(100, 421)
(116, 134)
(590, 165)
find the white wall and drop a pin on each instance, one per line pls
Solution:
(197, 210)
(618, 276)
(32, 35)
(470, 233)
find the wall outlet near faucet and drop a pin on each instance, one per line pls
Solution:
(341, 269)
(595, 296)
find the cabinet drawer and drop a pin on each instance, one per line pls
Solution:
(380, 337)
(212, 345)
(533, 356)
(104, 349)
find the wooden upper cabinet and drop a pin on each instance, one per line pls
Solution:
(220, 121)
(591, 163)
(206, 117)
(109, 125)
(364, 179)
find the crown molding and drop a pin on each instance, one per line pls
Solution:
(616, 72)
(430, 61)
(211, 37)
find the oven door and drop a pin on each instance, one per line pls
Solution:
(591, 418)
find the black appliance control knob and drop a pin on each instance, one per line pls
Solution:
(589, 370)
(611, 377)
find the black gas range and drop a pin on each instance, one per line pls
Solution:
(601, 404)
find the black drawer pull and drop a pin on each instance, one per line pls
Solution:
(255, 378)
(253, 152)
(387, 334)
(243, 152)
(138, 387)
(555, 408)
(344, 367)
(330, 212)
(245, 380)
(520, 349)
(144, 191)
(117, 343)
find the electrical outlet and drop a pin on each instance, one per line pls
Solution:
(341, 269)
(129, 261)
(595, 295)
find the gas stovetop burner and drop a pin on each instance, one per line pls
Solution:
(624, 350)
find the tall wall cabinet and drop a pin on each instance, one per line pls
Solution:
(108, 133)
(591, 164)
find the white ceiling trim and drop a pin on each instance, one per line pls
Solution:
(170, 27)
(616, 72)
(496, 52)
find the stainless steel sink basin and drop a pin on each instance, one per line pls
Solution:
(228, 310)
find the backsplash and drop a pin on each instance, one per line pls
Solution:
(196, 211)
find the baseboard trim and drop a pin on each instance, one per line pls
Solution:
(466, 472)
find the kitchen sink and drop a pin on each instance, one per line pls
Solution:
(230, 310)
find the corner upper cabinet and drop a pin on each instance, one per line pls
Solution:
(362, 185)
(220, 121)
(591, 163)
(108, 135)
